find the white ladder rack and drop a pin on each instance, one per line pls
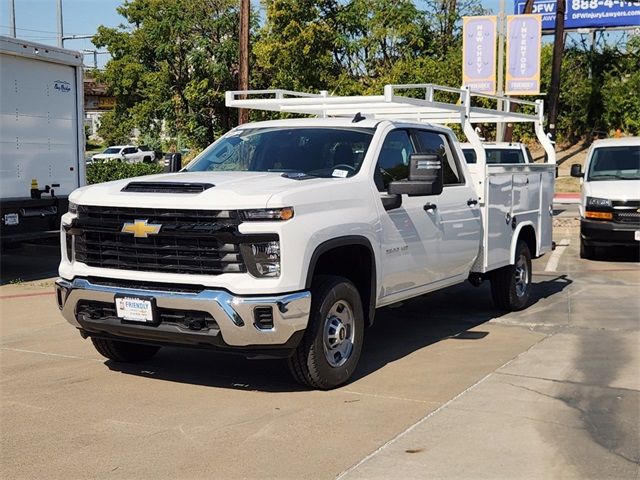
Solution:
(394, 106)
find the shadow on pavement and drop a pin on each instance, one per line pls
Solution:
(28, 262)
(397, 332)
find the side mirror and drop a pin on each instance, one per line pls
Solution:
(173, 162)
(576, 170)
(425, 177)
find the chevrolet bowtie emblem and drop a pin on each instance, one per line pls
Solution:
(141, 229)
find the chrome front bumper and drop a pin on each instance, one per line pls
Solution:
(234, 315)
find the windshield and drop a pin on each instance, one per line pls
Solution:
(615, 163)
(321, 152)
(495, 155)
(112, 150)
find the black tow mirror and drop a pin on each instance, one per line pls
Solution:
(576, 170)
(172, 162)
(391, 202)
(425, 177)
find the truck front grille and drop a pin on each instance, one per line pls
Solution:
(188, 241)
(627, 212)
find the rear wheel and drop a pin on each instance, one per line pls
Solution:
(511, 285)
(587, 251)
(124, 351)
(330, 349)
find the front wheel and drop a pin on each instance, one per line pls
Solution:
(330, 349)
(511, 285)
(124, 351)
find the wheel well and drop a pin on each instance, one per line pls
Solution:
(354, 262)
(528, 235)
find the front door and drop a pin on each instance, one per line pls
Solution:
(410, 234)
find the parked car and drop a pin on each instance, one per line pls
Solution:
(283, 237)
(500, 153)
(125, 153)
(610, 198)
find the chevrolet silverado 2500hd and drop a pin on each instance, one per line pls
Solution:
(283, 237)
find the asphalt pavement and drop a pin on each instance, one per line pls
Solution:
(447, 388)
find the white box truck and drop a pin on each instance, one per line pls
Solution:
(41, 137)
(283, 237)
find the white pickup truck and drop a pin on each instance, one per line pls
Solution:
(283, 237)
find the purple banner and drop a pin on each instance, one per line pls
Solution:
(479, 54)
(523, 54)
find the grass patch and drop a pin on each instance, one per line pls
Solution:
(567, 185)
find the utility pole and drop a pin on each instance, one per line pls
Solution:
(501, 34)
(558, 51)
(12, 18)
(243, 74)
(60, 26)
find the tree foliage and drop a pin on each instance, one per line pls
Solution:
(174, 60)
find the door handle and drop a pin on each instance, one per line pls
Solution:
(429, 206)
(472, 201)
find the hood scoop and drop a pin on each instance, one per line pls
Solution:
(166, 187)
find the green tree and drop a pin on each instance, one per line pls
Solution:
(173, 62)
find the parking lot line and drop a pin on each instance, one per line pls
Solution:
(20, 350)
(22, 295)
(554, 259)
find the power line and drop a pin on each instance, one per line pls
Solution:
(39, 31)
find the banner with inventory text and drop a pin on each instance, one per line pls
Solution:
(479, 53)
(524, 42)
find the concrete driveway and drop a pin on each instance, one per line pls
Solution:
(446, 388)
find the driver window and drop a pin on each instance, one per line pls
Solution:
(393, 162)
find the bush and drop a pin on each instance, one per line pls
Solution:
(107, 171)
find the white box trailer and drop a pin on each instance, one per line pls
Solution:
(41, 137)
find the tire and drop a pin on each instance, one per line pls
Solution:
(511, 285)
(587, 252)
(330, 349)
(124, 351)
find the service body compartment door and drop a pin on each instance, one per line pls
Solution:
(547, 185)
(498, 231)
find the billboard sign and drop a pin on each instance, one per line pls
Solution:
(586, 13)
(479, 53)
(524, 41)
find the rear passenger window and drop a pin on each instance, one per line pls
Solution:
(436, 143)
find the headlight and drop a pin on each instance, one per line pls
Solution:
(598, 202)
(262, 259)
(73, 208)
(285, 213)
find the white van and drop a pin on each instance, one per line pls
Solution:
(610, 200)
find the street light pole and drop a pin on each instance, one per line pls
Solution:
(501, 34)
(60, 26)
(12, 18)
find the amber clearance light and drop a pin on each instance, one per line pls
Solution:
(599, 215)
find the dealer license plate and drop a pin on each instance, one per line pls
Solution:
(135, 309)
(638, 235)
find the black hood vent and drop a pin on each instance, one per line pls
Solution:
(166, 187)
